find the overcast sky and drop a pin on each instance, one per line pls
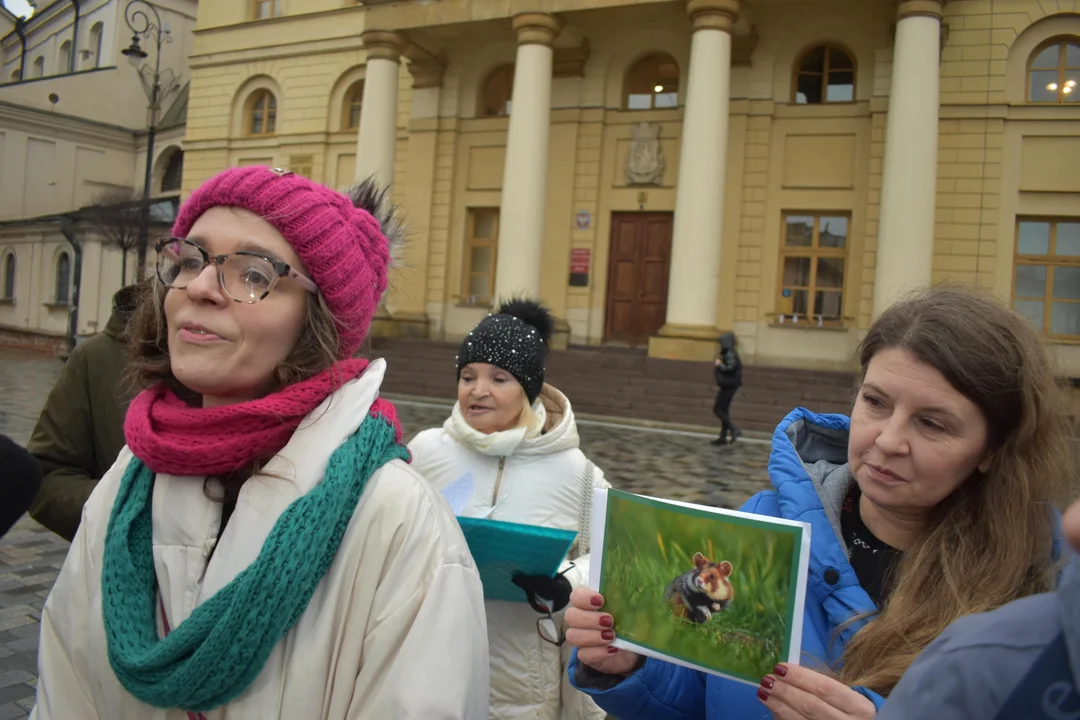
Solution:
(18, 7)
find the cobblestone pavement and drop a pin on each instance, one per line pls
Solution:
(675, 465)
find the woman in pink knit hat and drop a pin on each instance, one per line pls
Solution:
(261, 548)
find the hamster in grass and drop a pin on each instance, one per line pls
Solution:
(698, 593)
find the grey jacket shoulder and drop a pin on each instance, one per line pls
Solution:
(972, 667)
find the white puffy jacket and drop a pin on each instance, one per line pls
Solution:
(532, 475)
(394, 630)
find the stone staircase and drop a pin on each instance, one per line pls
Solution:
(627, 384)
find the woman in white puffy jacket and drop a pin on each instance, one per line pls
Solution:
(512, 442)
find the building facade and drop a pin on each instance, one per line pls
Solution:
(660, 171)
(73, 134)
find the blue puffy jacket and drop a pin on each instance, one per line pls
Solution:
(808, 468)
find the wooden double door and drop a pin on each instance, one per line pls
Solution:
(640, 260)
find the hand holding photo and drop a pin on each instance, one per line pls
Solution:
(716, 590)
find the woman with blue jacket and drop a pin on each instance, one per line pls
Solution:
(933, 501)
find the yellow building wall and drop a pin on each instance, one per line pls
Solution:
(781, 156)
(999, 156)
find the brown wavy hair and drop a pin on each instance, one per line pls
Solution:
(991, 540)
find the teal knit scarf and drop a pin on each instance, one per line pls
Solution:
(214, 655)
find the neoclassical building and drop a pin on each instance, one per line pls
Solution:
(660, 171)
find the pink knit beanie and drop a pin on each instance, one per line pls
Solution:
(343, 240)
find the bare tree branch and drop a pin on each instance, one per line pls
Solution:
(116, 215)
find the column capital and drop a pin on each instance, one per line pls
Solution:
(924, 8)
(384, 44)
(713, 14)
(427, 73)
(536, 28)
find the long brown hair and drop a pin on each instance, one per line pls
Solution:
(991, 541)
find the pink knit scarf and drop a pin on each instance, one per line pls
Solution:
(172, 437)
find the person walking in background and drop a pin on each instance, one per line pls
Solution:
(80, 431)
(936, 499)
(262, 549)
(515, 440)
(728, 373)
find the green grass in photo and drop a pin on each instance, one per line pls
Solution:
(647, 544)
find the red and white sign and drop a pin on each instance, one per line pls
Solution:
(580, 259)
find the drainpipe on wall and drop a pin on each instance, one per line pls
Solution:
(67, 228)
(20, 30)
(74, 37)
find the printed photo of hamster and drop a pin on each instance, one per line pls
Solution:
(698, 593)
(713, 590)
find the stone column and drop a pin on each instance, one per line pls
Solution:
(407, 297)
(690, 330)
(521, 215)
(377, 138)
(905, 250)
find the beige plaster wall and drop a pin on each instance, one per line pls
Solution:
(37, 251)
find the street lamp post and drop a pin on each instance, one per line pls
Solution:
(158, 85)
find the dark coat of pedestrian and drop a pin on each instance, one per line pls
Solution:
(20, 477)
(80, 431)
(728, 373)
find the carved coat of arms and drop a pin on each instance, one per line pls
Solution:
(645, 161)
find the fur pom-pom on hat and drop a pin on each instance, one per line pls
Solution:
(531, 313)
(514, 338)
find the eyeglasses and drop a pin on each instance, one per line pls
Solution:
(546, 627)
(246, 277)
(549, 631)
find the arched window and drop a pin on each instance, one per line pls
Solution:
(65, 58)
(9, 277)
(652, 83)
(350, 110)
(174, 172)
(496, 93)
(262, 113)
(824, 74)
(1054, 72)
(63, 279)
(96, 33)
(39, 66)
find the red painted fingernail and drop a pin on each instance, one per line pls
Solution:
(762, 695)
(607, 621)
(611, 649)
(608, 635)
(597, 601)
(780, 670)
(767, 682)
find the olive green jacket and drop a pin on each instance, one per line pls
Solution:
(81, 428)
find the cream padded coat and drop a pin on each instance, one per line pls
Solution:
(538, 479)
(396, 629)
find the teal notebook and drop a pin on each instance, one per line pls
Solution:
(503, 549)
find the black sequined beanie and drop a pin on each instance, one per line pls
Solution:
(514, 338)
